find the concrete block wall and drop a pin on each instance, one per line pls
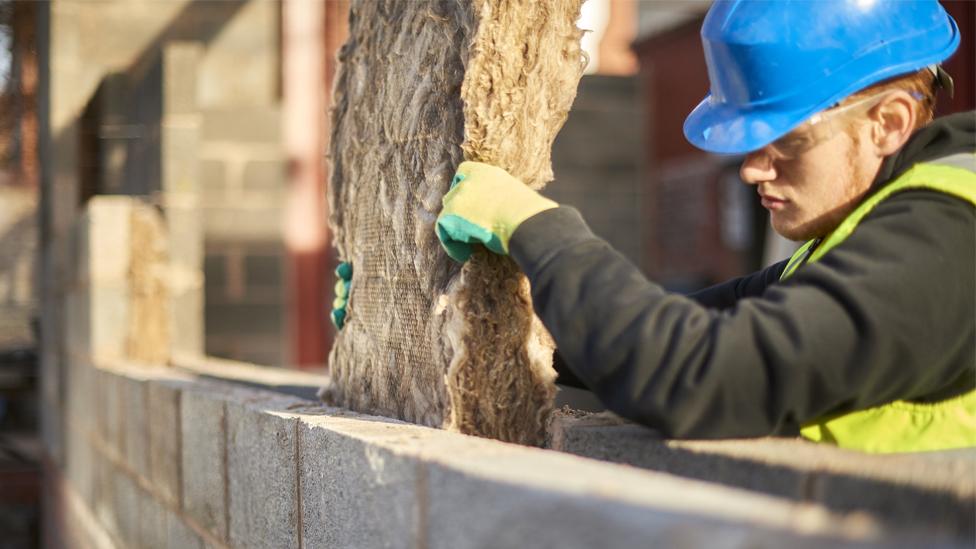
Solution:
(242, 196)
(932, 491)
(260, 469)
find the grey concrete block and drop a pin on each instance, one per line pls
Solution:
(109, 411)
(80, 462)
(80, 426)
(180, 148)
(104, 506)
(153, 528)
(264, 176)
(930, 491)
(203, 460)
(527, 498)
(900, 504)
(179, 535)
(213, 182)
(109, 318)
(135, 424)
(104, 253)
(240, 67)
(181, 62)
(354, 493)
(642, 447)
(258, 124)
(262, 477)
(260, 223)
(128, 501)
(503, 515)
(187, 321)
(186, 282)
(77, 311)
(165, 441)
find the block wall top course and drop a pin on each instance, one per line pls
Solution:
(439, 464)
(950, 472)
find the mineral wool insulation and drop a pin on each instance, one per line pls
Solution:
(422, 86)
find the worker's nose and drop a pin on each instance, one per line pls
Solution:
(757, 167)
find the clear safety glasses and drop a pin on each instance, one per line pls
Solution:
(821, 127)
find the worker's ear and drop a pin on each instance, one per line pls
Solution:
(892, 122)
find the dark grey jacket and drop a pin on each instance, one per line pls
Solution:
(888, 314)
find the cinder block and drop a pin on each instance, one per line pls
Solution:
(106, 255)
(204, 460)
(529, 499)
(180, 150)
(181, 62)
(503, 515)
(80, 397)
(77, 336)
(135, 424)
(256, 124)
(128, 502)
(355, 493)
(943, 511)
(80, 424)
(642, 447)
(105, 501)
(187, 321)
(179, 535)
(264, 176)
(262, 477)
(80, 462)
(109, 410)
(186, 280)
(213, 185)
(164, 441)
(109, 318)
(152, 531)
(935, 491)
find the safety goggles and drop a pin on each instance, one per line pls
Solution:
(821, 127)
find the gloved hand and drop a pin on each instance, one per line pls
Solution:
(484, 206)
(344, 277)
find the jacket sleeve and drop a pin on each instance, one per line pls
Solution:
(886, 315)
(726, 294)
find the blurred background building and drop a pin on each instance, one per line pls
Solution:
(215, 112)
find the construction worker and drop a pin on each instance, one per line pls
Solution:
(864, 338)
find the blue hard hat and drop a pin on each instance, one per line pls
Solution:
(772, 65)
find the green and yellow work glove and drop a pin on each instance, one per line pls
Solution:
(484, 206)
(343, 280)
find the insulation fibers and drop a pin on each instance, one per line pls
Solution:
(421, 87)
(148, 335)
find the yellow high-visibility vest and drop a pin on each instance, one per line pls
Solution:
(900, 426)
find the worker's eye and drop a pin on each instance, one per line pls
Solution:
(795, 140)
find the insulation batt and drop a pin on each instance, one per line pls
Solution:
(422, 86)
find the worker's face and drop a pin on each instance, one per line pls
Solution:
(809, 183)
